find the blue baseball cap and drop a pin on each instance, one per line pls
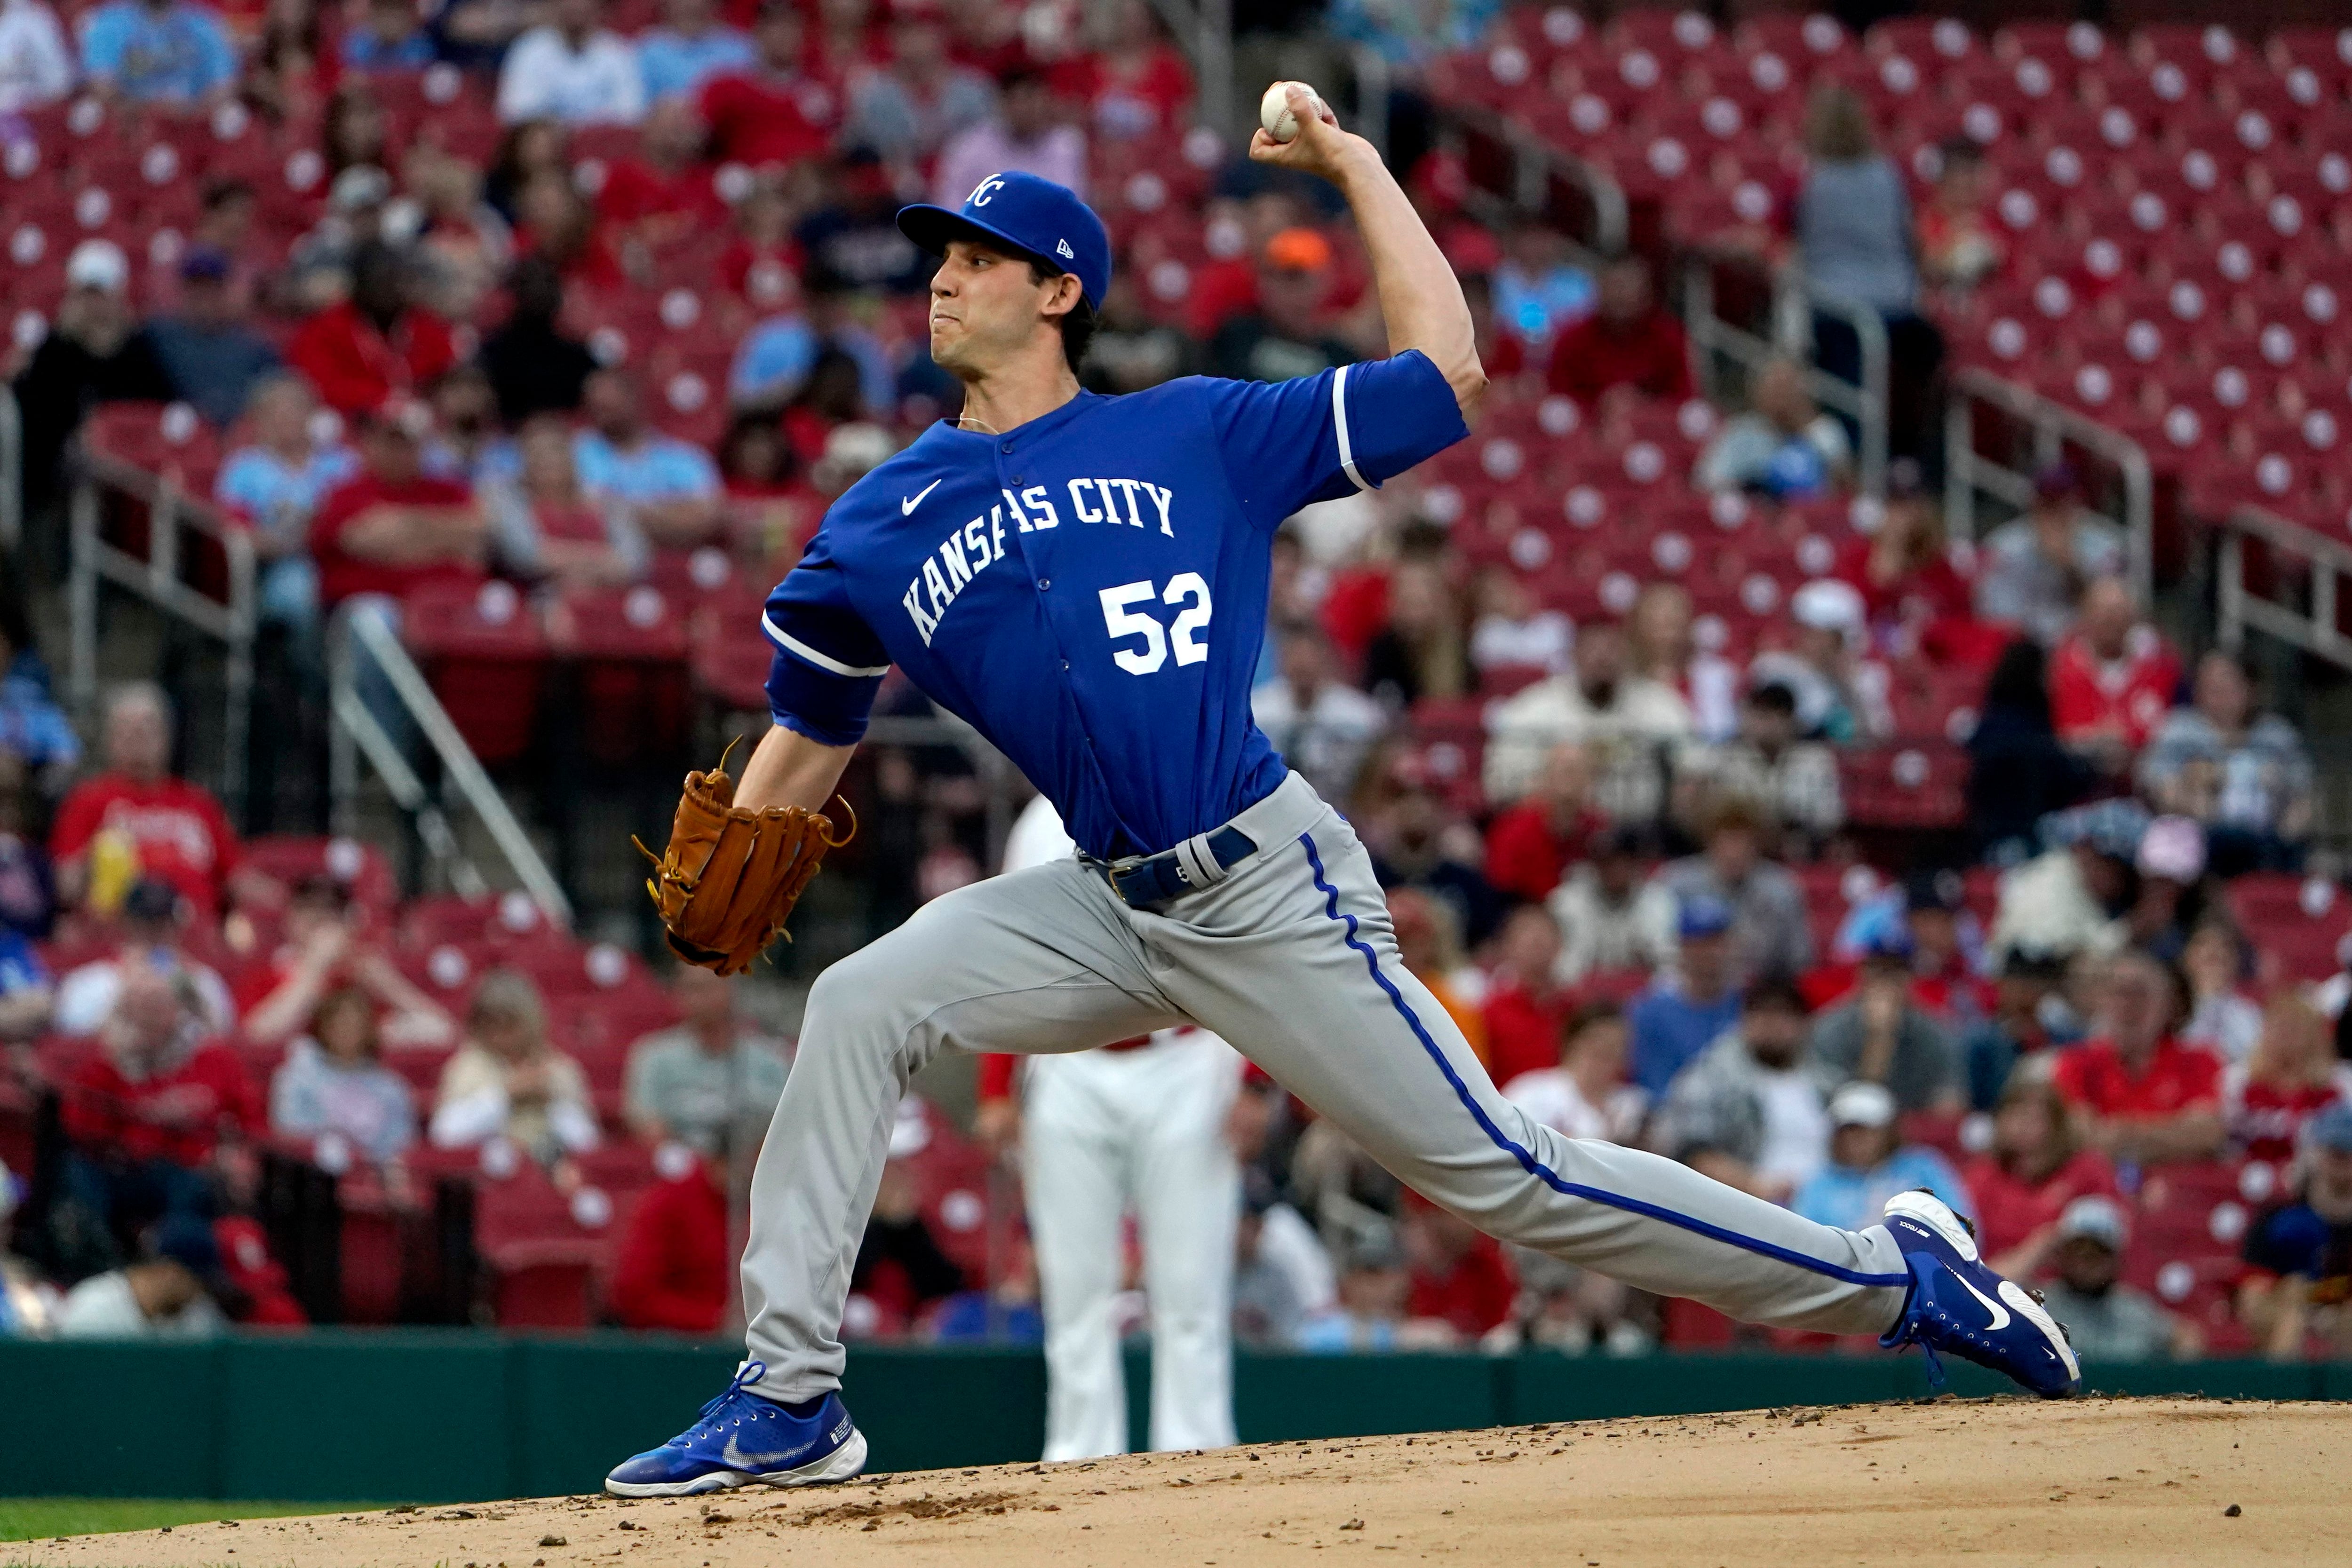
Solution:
(1702, 916)
(1033, 217)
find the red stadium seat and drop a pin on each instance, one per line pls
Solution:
(488, 660)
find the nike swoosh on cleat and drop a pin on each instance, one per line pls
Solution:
(907, 506)
(743, 1461)
(2000, 1314)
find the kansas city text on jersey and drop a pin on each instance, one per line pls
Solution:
(979, 543)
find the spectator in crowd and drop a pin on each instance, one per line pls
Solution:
(673, 1271)
(27, 993)
(1029, 131)
(1784, 446)
(29, 1302)
(710, 1075)
(37, 67)
(37, 740)
(1685, 1007)
(134, 819)
(1286, 336)
(1267, 1311)
(148, 1118)
(1323, 726)
(1420, 651)
(2111, 681)
(570, 68)
(1661, 646)
(2291, 1075)
(2222, 1017)
(899, 1266)
(1134, 83)
(1511, 632)
(288, 67)
(462, 245)
(911, 108)
(1882, 1036)
(2137, 1093)
(2024, 1182)
(554, 222)
(1541, 293)
(389, 35)
(1585, 1094)
(2173, 893)
(172, 53)
(772, 111)
(1622, 720)
(2018, 772)
(2033, 568)
(1373, 1290)
(2243, 774)
(1870, 1162)
(770, 509)
(212, 356)
(1525, 1005)
(851, 239)
(1418, 839)
(534, 366)
(1130, 350)
(506, 1080)
(1629, 340)
(391, 527)
(153, 926)
(1914, 599)
(2028, 1016)
(275, 483)
(1841, 696)
(2073, 897)
(1747, 1112)
(1959, 244)
(94, 353)
(333, 1081)
(2297, 1290)
(669, 487)
(664, 196)
(777, 359)
(462, 440)
(170, 1293)
(2107, 1320)
(1459, 1287)
(1429, 942)
(1766, 763)
(525, 151)
(320, 267)
(1947, 958)
(1531, 845)
(1612, 917)
(545, 528)
(324, 948)
(377, 342)
(691, 46)
(1769, 934)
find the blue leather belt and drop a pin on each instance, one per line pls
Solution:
(1163, 878)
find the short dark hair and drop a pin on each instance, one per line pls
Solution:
(1077, 327)
(1774, 991)
(1774, 696)
(1588, 1016)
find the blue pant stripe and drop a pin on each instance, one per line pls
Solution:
(1527, 1162)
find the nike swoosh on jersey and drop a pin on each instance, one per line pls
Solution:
(2000, 1314)
(907, 506)
(742, 1461)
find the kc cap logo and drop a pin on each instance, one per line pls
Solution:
(1025, 215)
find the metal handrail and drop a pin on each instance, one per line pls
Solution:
(1534, 159)
(1966, 472)
(156, 578)
(355, 730)
(12, 470)
(2235, 609)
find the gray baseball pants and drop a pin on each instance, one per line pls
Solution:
(1290, 957)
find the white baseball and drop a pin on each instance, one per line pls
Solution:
(1274, 109)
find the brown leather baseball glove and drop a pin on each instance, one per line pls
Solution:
(729, 876)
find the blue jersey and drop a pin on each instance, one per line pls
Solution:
(1089, 589)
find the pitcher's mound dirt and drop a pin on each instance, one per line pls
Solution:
(2100, 1481)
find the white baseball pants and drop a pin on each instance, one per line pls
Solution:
(1104, 1132)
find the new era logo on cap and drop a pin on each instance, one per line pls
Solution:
(1032, 216)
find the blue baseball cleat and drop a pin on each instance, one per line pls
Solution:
(742, 1437)
(1957, 1305)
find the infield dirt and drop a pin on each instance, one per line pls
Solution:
(2105, 1483)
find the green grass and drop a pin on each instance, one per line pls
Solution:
(41, 1518)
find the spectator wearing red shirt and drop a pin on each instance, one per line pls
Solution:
(2137, 1094)
(1137, 85)
(148, 1116)
(1531, 846)
(1630, 340)
(675, 1269)
(391, 527)
(375, 343)
(1915, 599)
(2033, 1170)
(665, 193)
(1458, 1276)
(2112, 681)
(774, 111)
(1525, 1009)
(2291, 1075)
(174, 830)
